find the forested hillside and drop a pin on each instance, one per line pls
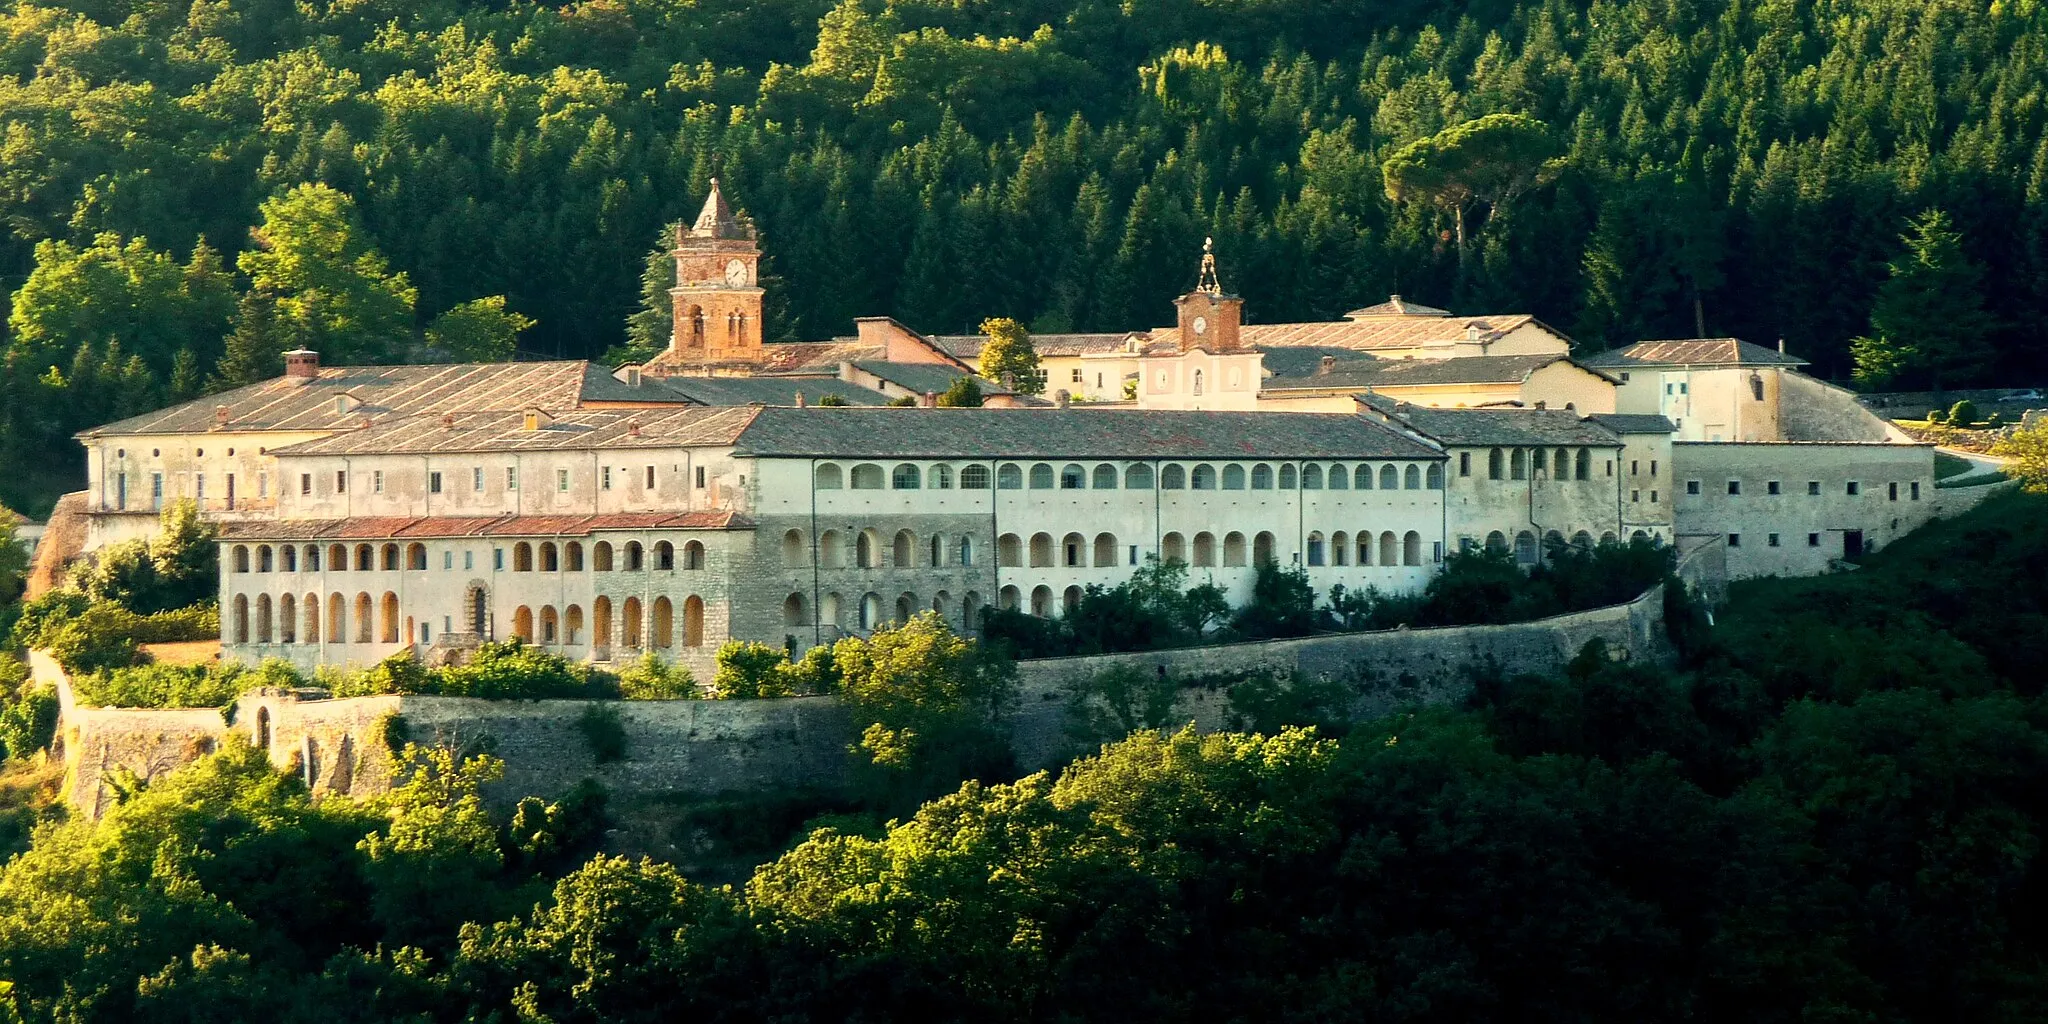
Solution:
(1746, 167)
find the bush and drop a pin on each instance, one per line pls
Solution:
(1962, 414)
(603, 731)
(651, 678)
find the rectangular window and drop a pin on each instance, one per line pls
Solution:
(498, 558)
(1813, 540)
(700, 478)
(1772, 487)
(341, 481)
(1464, 463)
(1916, 490)
(1734, 540)
(434, 482)
(1692, 487)
(305, 483)
(604, 476)
(1813, 488)
(650, 478)
(511, 478)
(1735, 487)
(562, 481)
(1854, 488)
(476, 478)
(1772, 540)
(1893, 491)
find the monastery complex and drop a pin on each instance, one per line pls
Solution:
(708, 495)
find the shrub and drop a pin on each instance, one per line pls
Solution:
(604, 731)
(1962, 414)
(651, 678)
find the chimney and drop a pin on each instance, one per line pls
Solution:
(448, 420)
(1326, 364)
(931, 400)
(301, 364)
(800, 400)
(1061, 398)
(220, 417)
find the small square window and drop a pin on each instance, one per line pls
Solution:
(1854, 488)
(1813, 540)
(1773, 488)
(1734, 540)
(1735, 487)
(1692, 487)
(1772, 540)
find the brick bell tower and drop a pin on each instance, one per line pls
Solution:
(1209, 316)
(717, 294)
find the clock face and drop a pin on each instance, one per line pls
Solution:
(736, 274)
(1201, 325)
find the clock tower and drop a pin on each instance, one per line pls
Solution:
(1209, 316)
(718, 289)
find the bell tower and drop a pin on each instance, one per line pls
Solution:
(718, 292)
(1209, 316)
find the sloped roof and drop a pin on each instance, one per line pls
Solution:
(1506, 428)
(1068, 433)
(428, 527)
(1374, 333)
(1692, 352)
(286, 403)
(1355, 374)
(506, 431)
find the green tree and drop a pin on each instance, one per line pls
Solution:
(479, 331)
(1008, 352)
(332, 286)
(1929, 324)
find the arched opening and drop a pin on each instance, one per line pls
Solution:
(664, 624)
(693, 621)
(630, 623)
(1411, 548)
(1205, 549)
(1041, 550)
(903, 552)
(241, 619)
(1262, 549)
(1041, 602)
(1073, 550)
(693, 555)
(550, 557)
(522, 624)
(793, 551)
(664, 555)
(1105, 550)
(265, 630)
(550, 625)
(1233, 549)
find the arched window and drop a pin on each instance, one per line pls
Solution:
(1340, 478)
(1496, 541)
(966, 551)
(1204, 478)
(903, 552)
(416, 557)
(832, 550)
(390, 617)
(1390, 478)
(1041, 550)
(241, 558)
(522, 557)
(266, 559)
(241, 624)
(1072, 477)
(390, 553)
(265, 623)
(905, 477)
(664, 555)
(550, 557)
(1172, 478)
(693, 621)
(974, 478)
(601, 556)
(1073, 551)
(1009, 477)
(663, 628)
(1262, 549)
(1105, 477)
(631, 623)
(1010, 551)
(829, 478)
(1105, 550)
(1583, 465)
(1262, 477)
(572, 556)
(1173, 548)
(1138, 478)
(1493, 464)
(288, 618)
(1362, 480)
(940, 478)
(1315, 548)
(1287, 477)
(1518, 465)
(1525, 548)
(1041, 477)
(1041, 602)
(1340, 548)
(793, 610)
(1205, 549)
(1390, 549)
(636, 556)
(1435, 476)
(601, 622)
(867, 477)
(1233, 549)
(1233, 477)
(1411, 548)
(1411, 477)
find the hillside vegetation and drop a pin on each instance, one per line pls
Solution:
(492, 175)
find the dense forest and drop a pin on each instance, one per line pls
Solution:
(1830, 807)
(188, 186)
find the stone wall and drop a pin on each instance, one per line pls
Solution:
(708, 747)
